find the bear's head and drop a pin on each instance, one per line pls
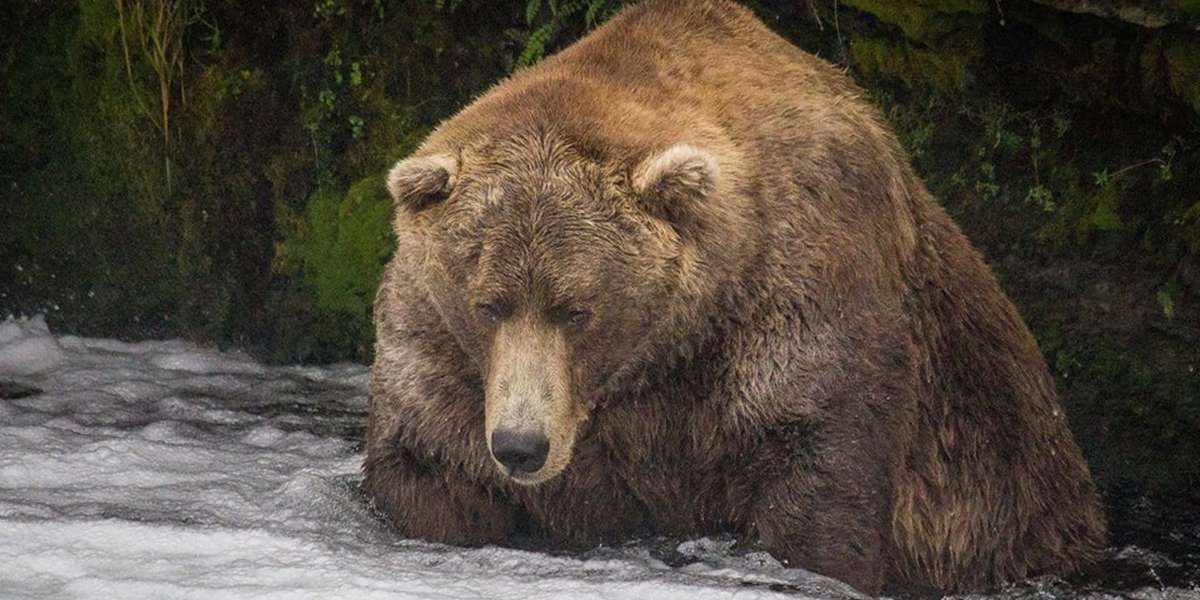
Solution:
(558, 270)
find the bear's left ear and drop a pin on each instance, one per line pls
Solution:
(670, 183)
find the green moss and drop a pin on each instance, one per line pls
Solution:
(338, 255)
(897, 60)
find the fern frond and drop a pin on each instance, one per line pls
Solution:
(535, 46)
(531, 10)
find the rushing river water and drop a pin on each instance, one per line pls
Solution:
(160, 469)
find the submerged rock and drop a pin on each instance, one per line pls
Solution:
(27, 348)
(11, 390)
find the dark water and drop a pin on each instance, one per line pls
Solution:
(1154, 554)
(1154, 544)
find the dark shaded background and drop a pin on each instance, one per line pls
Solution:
(1063, 135)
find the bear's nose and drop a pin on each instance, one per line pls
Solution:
(520, 452)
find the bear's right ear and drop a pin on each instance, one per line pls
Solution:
(422, 180)
(672, 183)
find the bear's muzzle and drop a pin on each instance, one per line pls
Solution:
(530, 417)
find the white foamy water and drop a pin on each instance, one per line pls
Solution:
(165, 470)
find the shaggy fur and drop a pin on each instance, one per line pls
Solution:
(716, 285)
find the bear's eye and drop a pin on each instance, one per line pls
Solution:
(579, 318)
(490, 311)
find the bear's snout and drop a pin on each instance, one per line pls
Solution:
(522, 453)
(530, 417)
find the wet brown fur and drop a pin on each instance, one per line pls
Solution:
(803, 349)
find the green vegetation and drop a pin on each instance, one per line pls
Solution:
(556, 21)
(337, 253)
(214, 170)
(171, 168)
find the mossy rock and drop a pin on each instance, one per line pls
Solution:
(1181, 56)
(1169, 65)
(897, 60)
(1146, 13)
(927, 21)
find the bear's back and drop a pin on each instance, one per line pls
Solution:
(667, 70)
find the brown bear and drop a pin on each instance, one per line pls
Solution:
(681, 279)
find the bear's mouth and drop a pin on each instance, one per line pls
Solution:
(528, 478)
(525, 477)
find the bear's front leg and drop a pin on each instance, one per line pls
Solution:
(827, 512)
(427, 502)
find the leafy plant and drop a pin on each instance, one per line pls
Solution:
(153, 31)
(549, 20)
